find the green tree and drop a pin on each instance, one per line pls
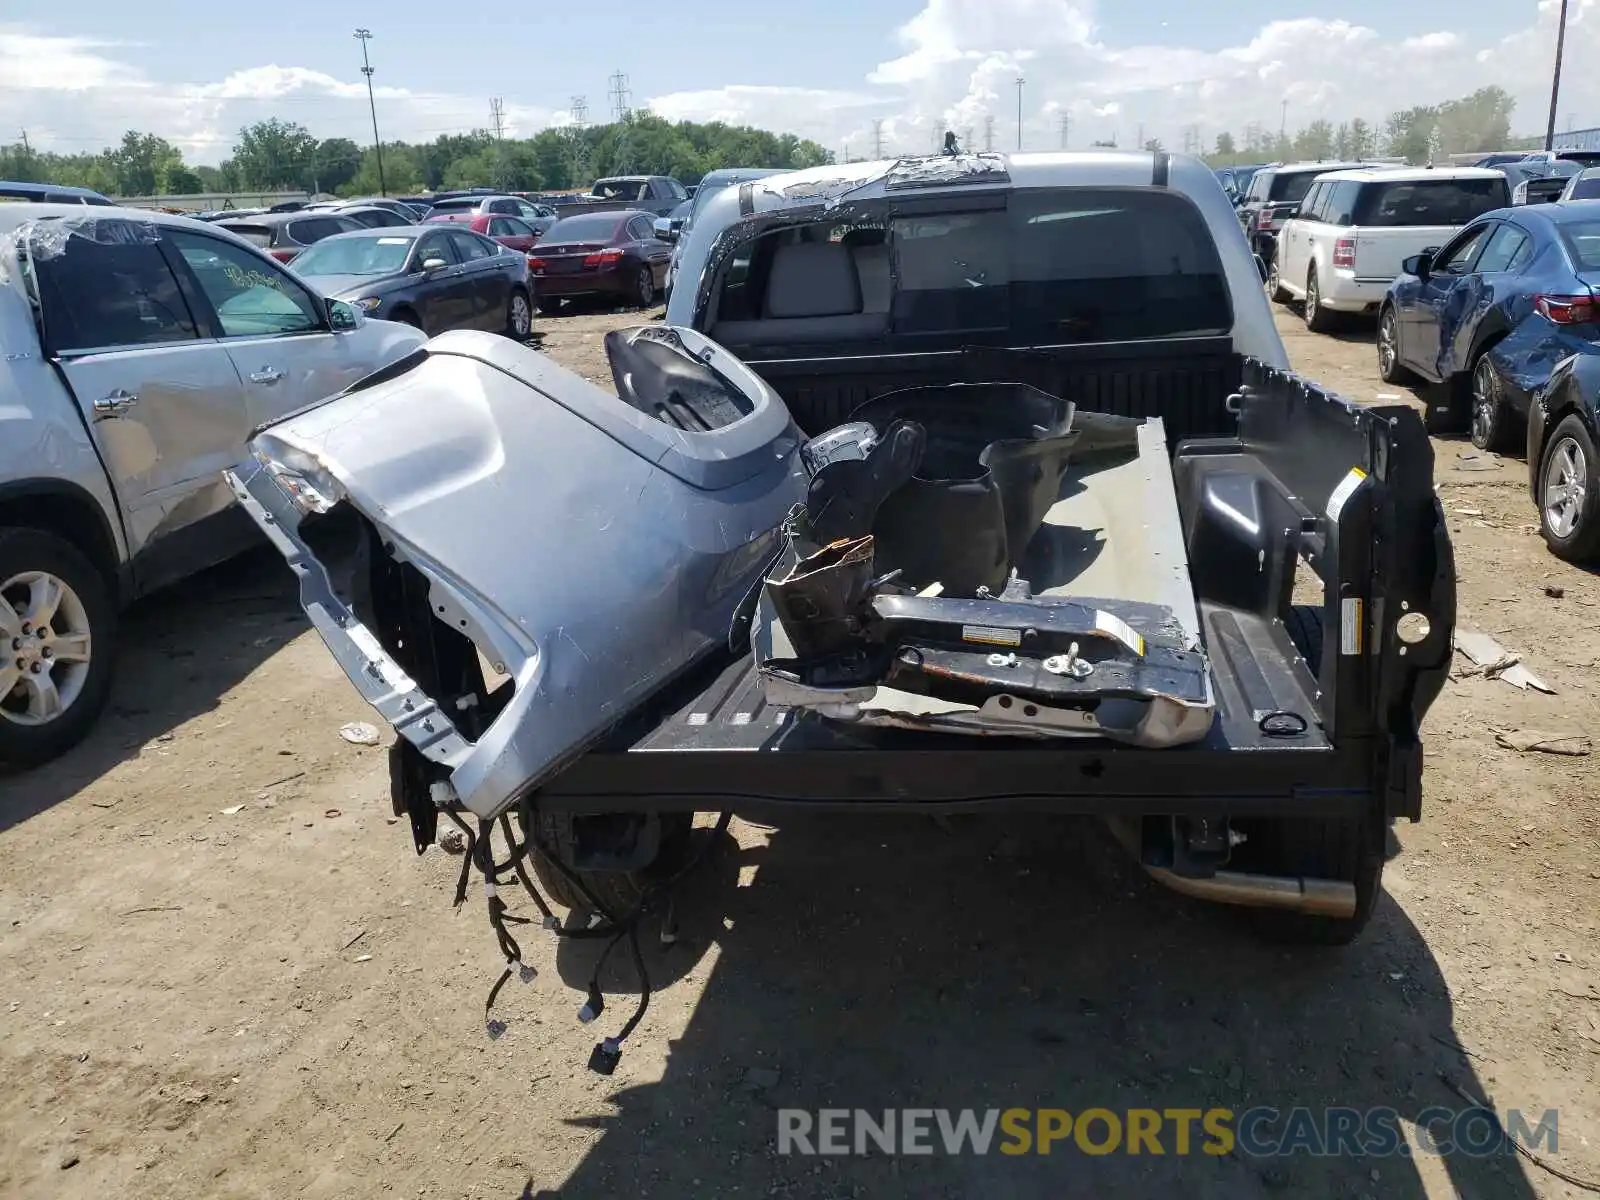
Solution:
(1409, 134)
(1481, 121)
(275, 154)
(1225, 146)
(1315, 141)
(1154, 145)
(143, 164)
(1363, 144)
(400, 172)
(335, 162)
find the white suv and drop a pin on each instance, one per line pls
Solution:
(1344, 246)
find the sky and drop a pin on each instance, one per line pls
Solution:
(824, 69)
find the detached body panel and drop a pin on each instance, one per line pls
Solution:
(575, 552)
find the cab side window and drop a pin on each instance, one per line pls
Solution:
(252, 297)
(100, 292)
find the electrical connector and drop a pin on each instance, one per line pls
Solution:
(605, 1056)
(593, 1006)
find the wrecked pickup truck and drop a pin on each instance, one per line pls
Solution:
(975, 483)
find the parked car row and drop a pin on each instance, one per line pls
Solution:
(1484, 300)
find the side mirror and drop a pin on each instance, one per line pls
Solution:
(663, 230)
(344, 317)
(430, 265)
(1418, 264)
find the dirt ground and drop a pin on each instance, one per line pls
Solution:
(227, 974)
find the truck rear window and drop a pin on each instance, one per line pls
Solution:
(1430, 201)
(1067, 265)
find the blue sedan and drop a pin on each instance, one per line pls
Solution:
(1491, 313)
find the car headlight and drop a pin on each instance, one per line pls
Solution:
(1519, 194)
(367, 303)
(305, 481)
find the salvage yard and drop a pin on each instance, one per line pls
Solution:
(227, 974)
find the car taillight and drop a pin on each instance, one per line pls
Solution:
(283, 256)
(604, 259)
(535, 264)
(1344, 252)
(1566, 310)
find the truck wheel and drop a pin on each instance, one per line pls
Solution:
(1318, 319)
(1389, 368)
(1490, 416)
(57, 642)
(1322, 848)
(1569, 492)
(618, 891)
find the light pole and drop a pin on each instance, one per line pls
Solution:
(364, 36)
(1020, 82)
(1555, 81)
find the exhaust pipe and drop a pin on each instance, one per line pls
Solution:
(1315, 897)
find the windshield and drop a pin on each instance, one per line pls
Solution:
(1583, 243)
(355, 256)
(464, 204)
(589, 227)
(1585, 186)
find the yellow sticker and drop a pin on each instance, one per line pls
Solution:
(991, 635)
(1118, 628)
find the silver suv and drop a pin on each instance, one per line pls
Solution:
(140, 350)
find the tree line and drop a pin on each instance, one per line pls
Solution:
(1469, 124)
(277, 155)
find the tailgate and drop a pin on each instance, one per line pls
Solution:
(1380, 251)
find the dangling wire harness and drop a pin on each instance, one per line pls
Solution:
(612, 926)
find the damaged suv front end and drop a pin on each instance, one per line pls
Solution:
(506, 560)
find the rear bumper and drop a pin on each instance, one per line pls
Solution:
(614, 281)
(1344, 291)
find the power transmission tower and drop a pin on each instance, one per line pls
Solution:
(620, 113)
(988, 134)
(497, 116)
(619, 97)
(1191, 139)
(966, 139)
(580, 141)
(877, 137)
(1066, 128)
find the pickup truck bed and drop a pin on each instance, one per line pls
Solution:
(1253, 510)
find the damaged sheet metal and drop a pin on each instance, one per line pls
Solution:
(515, 524)
(897, 601)
(1493, 661)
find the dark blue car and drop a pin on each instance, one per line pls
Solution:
(1491, 313)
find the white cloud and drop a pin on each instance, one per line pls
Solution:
(956, 67)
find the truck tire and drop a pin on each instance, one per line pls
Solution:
(1341, 848)
(618, 891)
(55, 675)
(1304, 623)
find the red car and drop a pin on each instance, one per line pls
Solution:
(513, 232)
(613, 254)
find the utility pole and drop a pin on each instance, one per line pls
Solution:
(966, 139)
(1283, 119)
(988, 134)
(1066, 128)
(364, 36)
(26, 149)
(1555, 79)
(846, 157)
(877, 137)
(1020, 82)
